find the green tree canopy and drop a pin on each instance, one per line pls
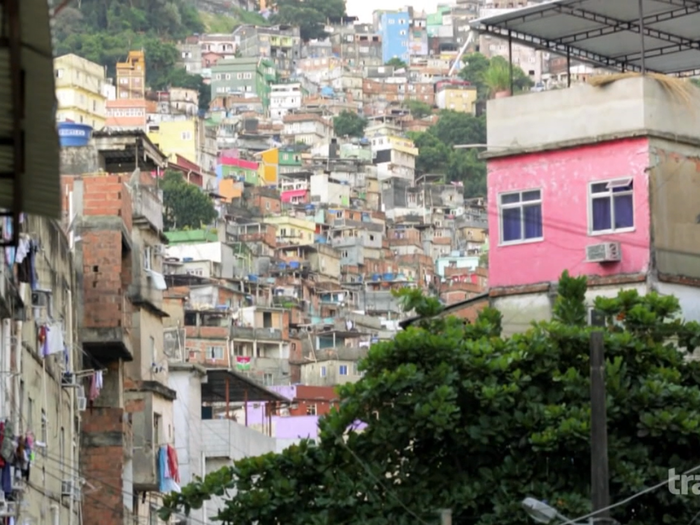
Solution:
(438, 156)
(397, 63)
(184, 205)
(104, 31)
(309, 15)
(349, 123)
(419, 109)
(459, 417)
(479, 69)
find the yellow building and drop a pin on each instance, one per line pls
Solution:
(456, 98)
(79, 91)
(176, 137)
(131, 76)
(292, 230)
(269, 166)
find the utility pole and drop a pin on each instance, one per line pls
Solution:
(600, 490)
(446, 517)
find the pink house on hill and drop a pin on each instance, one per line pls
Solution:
(603, 182)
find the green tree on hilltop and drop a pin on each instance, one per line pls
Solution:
(310, 15)
(459, 417)
(437, 155)
(104, 31)
(184, 204)
(349, 123)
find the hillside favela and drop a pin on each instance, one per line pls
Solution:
(329, 262)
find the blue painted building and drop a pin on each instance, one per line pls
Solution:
(393, 27)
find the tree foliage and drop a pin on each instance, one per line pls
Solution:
(459, 417)
(310, 15)
(104, 31)
(438, 156)
(479, 69)
(349, 123)
(419, 109)
(397, 63)
(184, 205)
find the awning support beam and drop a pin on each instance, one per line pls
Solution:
(613, 25)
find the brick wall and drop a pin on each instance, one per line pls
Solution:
(106, 195)
(104, 304)
(102, 461)
(201, 357)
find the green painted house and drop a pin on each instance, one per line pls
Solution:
(243, 77)
(289, 159)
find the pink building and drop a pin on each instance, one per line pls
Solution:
(548, 207)
(295, 196)
(603, 182)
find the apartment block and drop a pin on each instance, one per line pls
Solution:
(79, 91)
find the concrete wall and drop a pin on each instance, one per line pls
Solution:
(583, 113)
(563, 177)
(521, 310)
(44, 408)
(187, 418)
(675, 202)
(327, 373)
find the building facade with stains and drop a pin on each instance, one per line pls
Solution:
(599, 182)
(115, 220)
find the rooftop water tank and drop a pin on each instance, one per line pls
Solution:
(74, 135)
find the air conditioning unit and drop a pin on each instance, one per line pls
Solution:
(603, 252)
(41, 298)
(159, 249)
(293, 331)
(70, 488)
(82, 403)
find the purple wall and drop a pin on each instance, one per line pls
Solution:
(288, 427)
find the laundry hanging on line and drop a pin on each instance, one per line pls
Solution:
(51, 338)
(166, 482)
(95, 385)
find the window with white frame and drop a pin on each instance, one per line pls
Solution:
(611, 206)
(215, 352)
(148, 258)
(343, 370)
(324, 371)
(186, 135)
(521, 216)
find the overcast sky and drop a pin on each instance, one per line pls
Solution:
(364, 8)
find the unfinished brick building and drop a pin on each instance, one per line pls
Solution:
(115, 220)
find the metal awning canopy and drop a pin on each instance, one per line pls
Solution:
(661, 36)
(224, 385)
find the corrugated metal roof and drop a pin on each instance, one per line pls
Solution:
(41, 179)
(608, 33)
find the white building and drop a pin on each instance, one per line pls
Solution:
(198, 411)
(307, 129)
(283, 99)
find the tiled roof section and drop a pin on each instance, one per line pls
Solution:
(304, 117)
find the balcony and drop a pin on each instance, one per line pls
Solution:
(233, 441)
(256, 334)
(285, 301)
(148, 208)
(144, 292)
(111, 340)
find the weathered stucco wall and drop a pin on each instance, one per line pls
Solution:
(675, 203)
